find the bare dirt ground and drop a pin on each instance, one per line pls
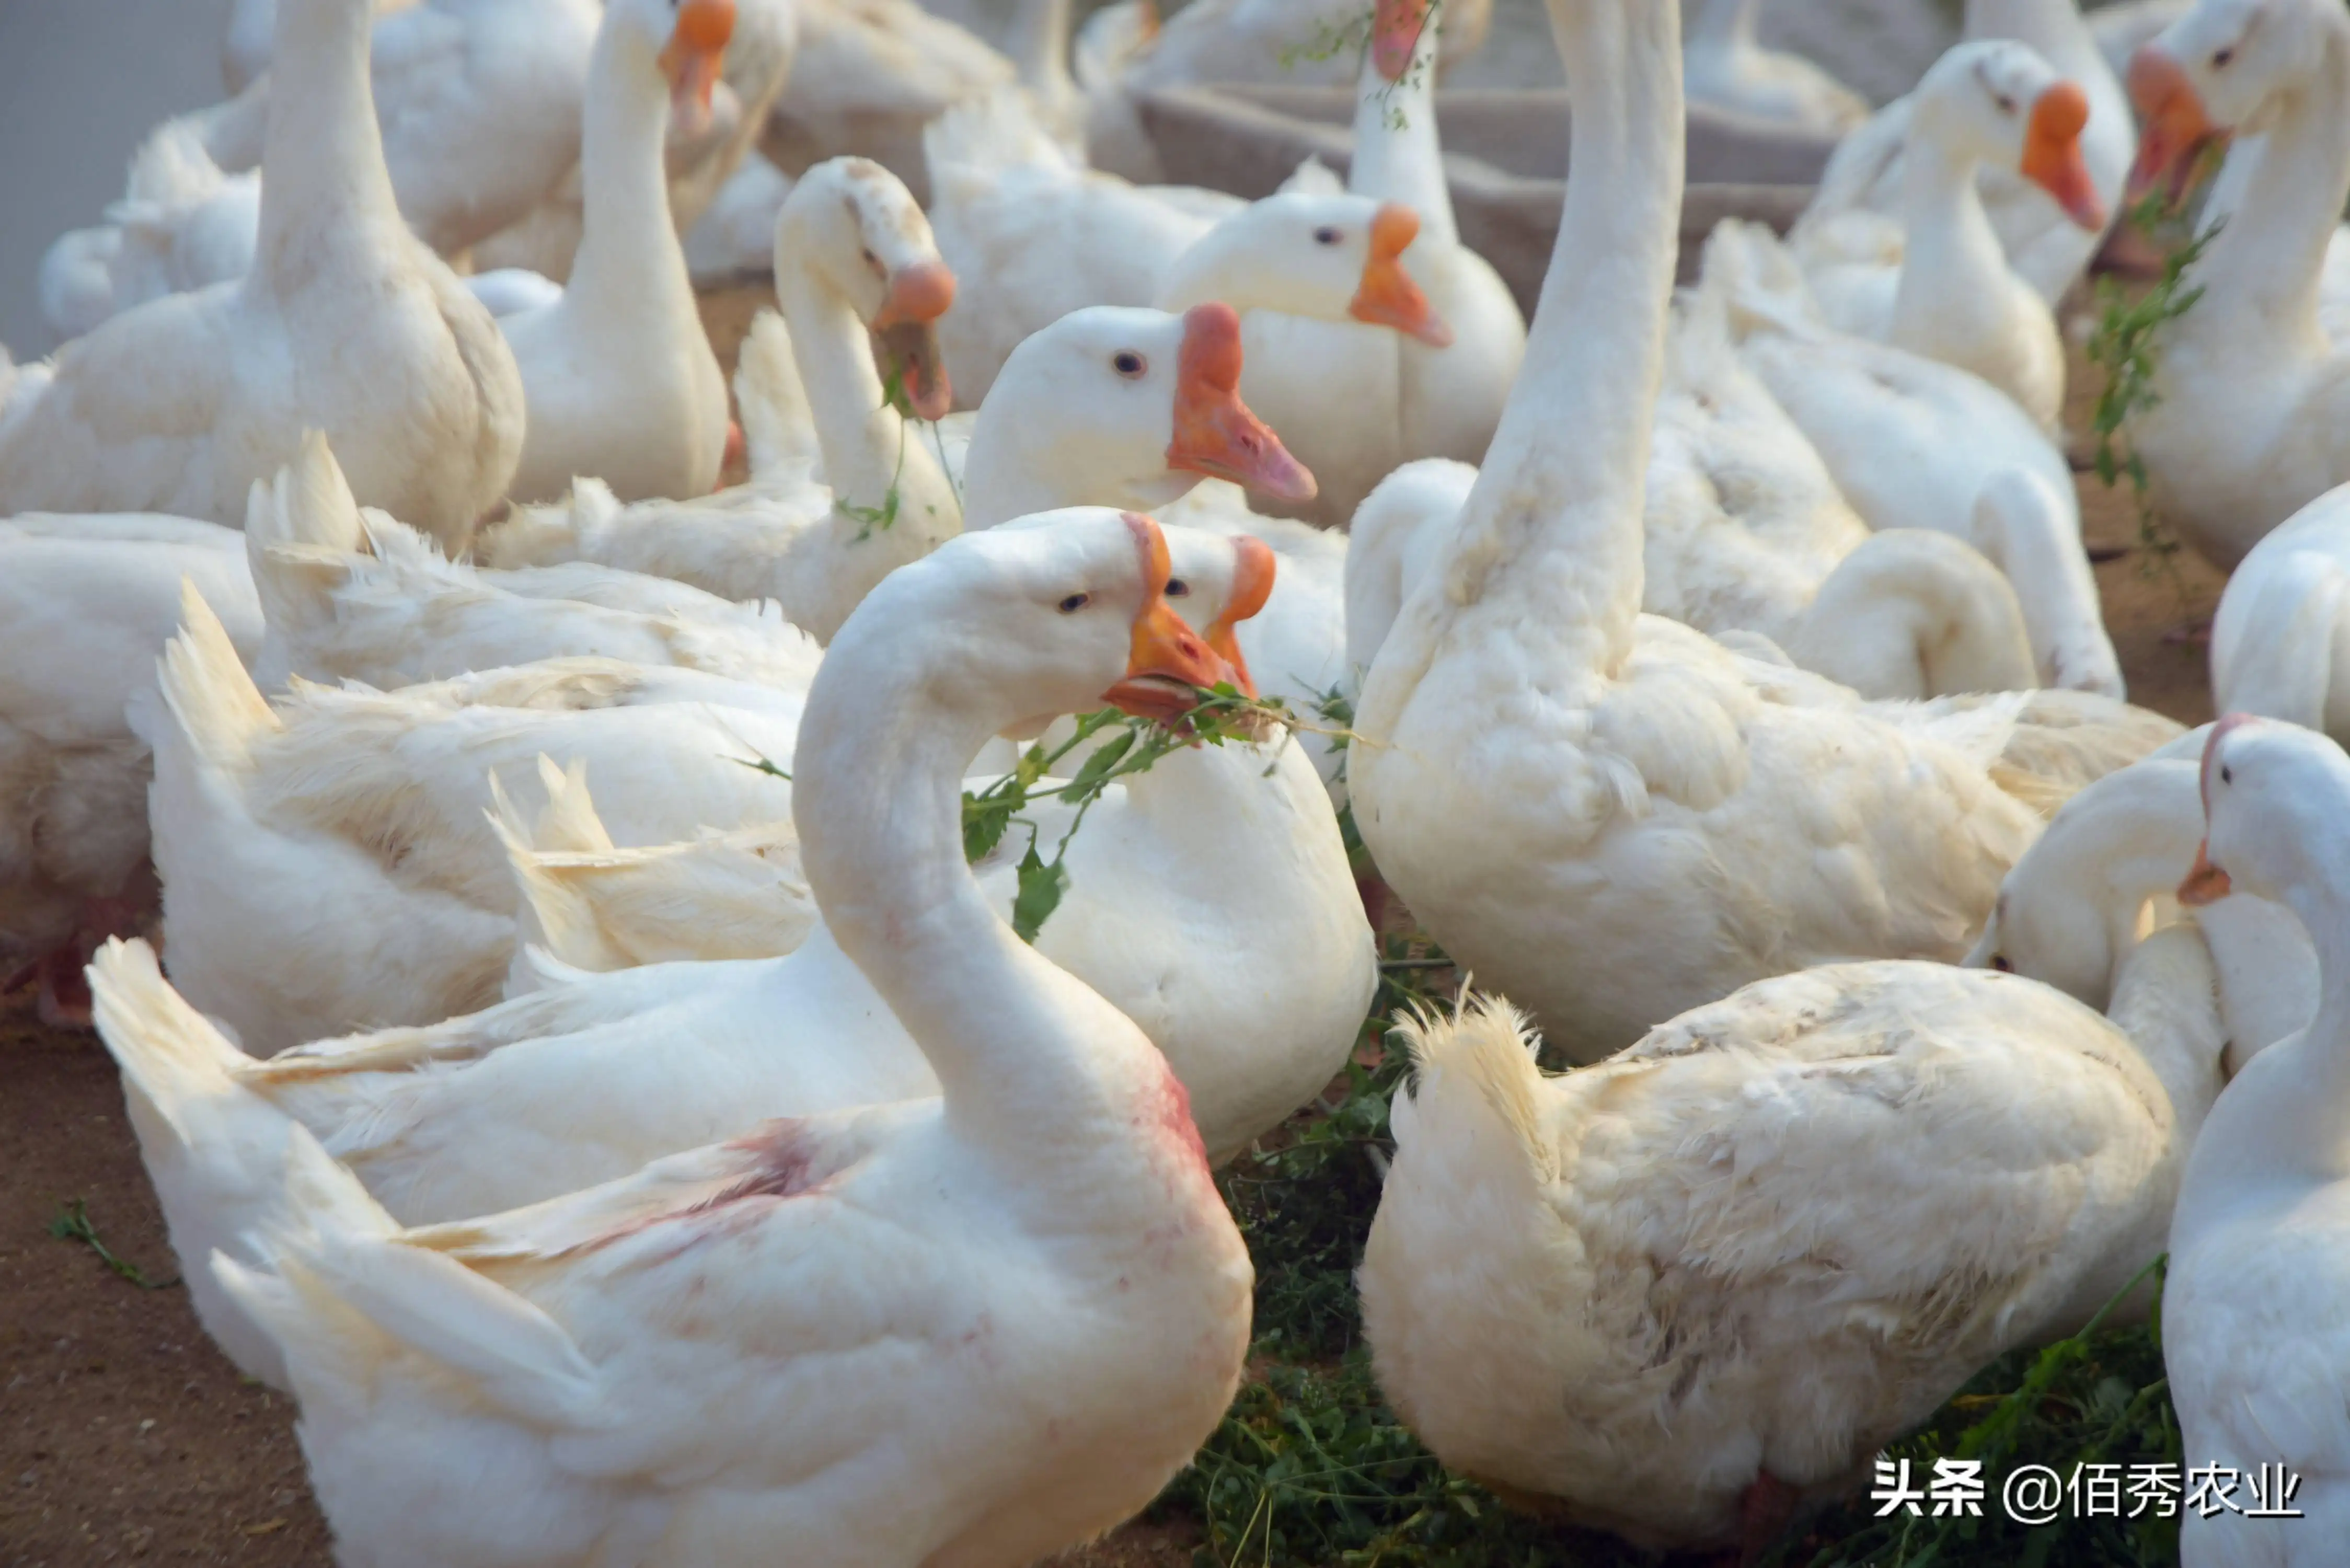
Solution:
(125, 1437)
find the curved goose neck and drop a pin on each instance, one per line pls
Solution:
(2266, 266)
(325, 196)
(1031, 1060)
(629, 266)
(1397, 155)
(2280, 1128)
(1551, 532)
(2166, 998)
(869, 447)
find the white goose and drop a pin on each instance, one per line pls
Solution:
(2252, 1331)
(2254, 398)
(2044, 245)
(618, 374)
(1546, 772)
(1419, 391)
(2092, 886)
(704, 147)
(1255, 1007)
(1686, 1293)
(349, 325)
(1020, 1373)
(1723, 65)
(85, 604)
(330, 860)
(1916, 444)
(818, 549)
(2280, 639)
(1936, 283)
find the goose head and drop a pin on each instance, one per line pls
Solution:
(2220, 69)
(1016, 626)
(854, 228)
(687, 40)
(2087, 890)
(1327, 256)
(2274, 801)
(1998, 101)
(1118, 406)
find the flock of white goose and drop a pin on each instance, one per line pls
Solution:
(629, 1155)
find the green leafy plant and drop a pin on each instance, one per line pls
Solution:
(2126, 345)
(73, 1224)
(1123, 745)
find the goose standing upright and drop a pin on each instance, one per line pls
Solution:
(2044, 245)
(1412, 393)
(972, 1329)
(1607, 815)
(2253, 420)
(618, 375)
(1942, 287)
(347, 323)
(2256, 1312)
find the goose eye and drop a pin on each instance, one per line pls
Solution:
(1075, 603)
(2006, 104)
(871, 260)
(1999, 962)
(2227, 774)
(1326, 237)
(2219, 60)
(1128, 363)
(1177, 588)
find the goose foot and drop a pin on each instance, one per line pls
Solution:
(2190, 634)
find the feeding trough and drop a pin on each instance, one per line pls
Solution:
(1504, 154)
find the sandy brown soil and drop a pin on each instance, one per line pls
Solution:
(124, 1436)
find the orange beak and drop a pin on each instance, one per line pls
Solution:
(692, 58)
(2175, 126)
(906, 325)
(1387, 296)
(1253, 576)
(1395, 34)
(2052, 154)
(2206, 883)
(1167, 661)
(1215, 434)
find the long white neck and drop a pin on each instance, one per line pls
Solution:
(2167, 1001)
(2031, 532)
(327, 201)
(1397, 155)
(1031, 1061)
(629, 264)
(1954, 276)
(2282, 1126)
(1551, 535)
(869, 448)
(2263, 271)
